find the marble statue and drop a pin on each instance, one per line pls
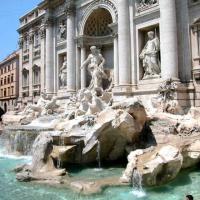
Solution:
(95, 62)
(63, 73)
(150, 57)
(37, 107)
(62, 30)
(43, 106)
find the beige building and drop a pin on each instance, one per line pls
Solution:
(9, 81)
(144, 42)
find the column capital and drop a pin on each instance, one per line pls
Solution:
(114, 27)
(69, 8)
(42, 32)
(48, 20)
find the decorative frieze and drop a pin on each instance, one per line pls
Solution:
(142, 5)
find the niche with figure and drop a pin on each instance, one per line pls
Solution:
(107, 73)
(62, 72)
(149, 53)
(62, 30)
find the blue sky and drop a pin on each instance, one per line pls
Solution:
(10, 11)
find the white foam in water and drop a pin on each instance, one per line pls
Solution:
(98, 169)
(139, 193)
(4, 155)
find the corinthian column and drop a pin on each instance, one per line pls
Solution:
(49, 56)
(168, 38)
(71, 49)
(124, 43)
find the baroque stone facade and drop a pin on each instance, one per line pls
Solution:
(144, 43)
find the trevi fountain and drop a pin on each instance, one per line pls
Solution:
(89, 146)
(111, 121)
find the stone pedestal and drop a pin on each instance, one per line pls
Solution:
(168, 37)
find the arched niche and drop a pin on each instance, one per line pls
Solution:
(98, 23)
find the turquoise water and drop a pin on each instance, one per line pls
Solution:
(187, 182)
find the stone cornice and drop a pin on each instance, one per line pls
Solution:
(83, 40)
(31, 24)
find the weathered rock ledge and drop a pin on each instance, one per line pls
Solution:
(178, 147)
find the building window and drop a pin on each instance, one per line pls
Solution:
(1, 71)
(25, 77)
(8, 67)
(1, 92)
(36, 75)
(12, 90)
(25, 44)
(5, 80)
(12, 78)
(4, 69)
(36, 39)
(5, 92)
(9, 91)
(8, 81)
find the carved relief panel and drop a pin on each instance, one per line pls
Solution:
(142, 5)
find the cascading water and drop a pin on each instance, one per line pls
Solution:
(18, 141)
(137, 184)
(61, 143)
(99, 155)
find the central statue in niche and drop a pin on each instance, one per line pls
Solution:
(150, 57)
(95, 62)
